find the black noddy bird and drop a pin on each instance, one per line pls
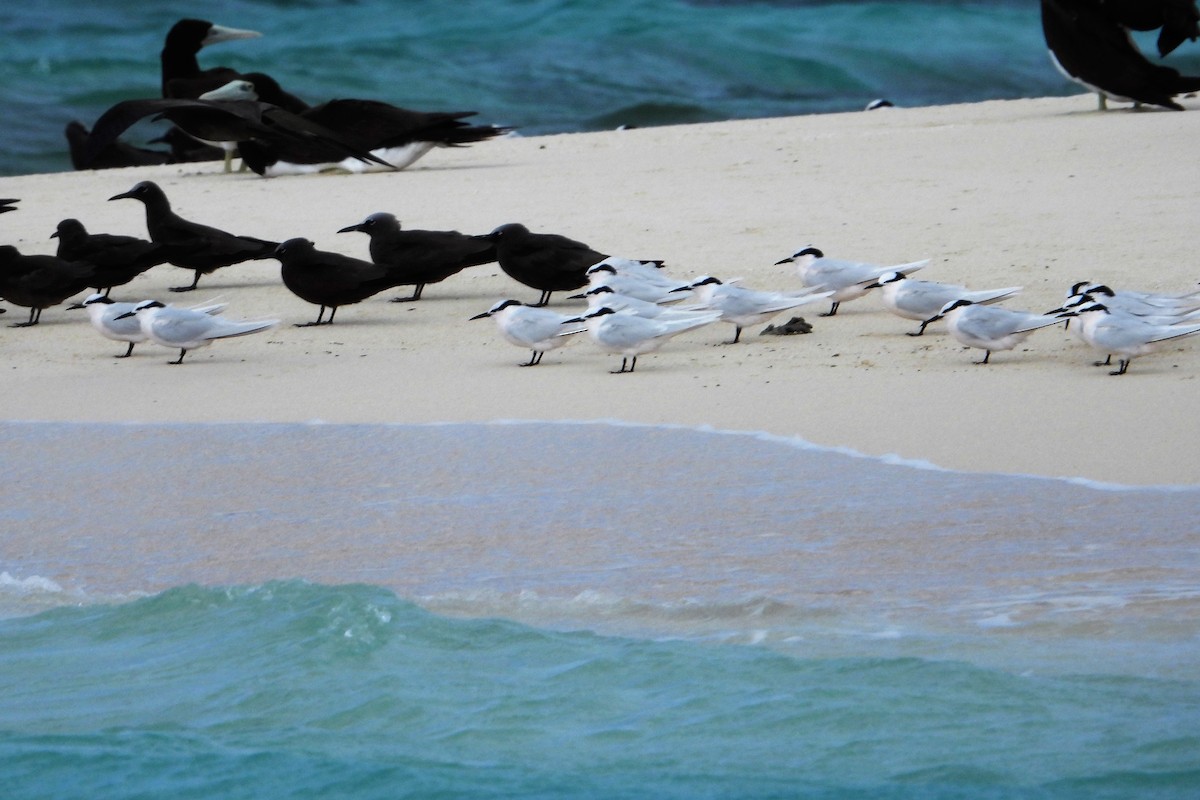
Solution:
(38, 282)
(190, 245)
(419, 257)
(547, 262)
(1089, 46)
(329, 280)
(117, 259)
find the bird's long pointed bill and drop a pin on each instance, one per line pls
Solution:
(220, 33)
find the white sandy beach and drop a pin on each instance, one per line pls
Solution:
(1039, 193)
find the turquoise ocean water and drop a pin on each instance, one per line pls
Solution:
(580, 610)
(540, 65)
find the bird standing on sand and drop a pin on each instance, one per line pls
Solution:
(547, 262)
(113, 320)
(1124, 335)
(38, 282)
(741, 306)
(631, 335)
(330, 280)
(539, 329)
(419, 257)
(188, 329)
(848, 280)
(118, 259)
(190, 245)
(914, 299)
(1089, 43)
(990, 327)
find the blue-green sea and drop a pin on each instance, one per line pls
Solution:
(580, 610)
(540, 66)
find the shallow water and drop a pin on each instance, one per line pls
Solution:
(580, 610)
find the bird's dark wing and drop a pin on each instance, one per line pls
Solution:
(123, 115)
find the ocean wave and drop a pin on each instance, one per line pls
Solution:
(309, 690)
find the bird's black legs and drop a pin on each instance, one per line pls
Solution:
(320, 314)
(632, 365)
(182, 353)
(128, 352)
(416, 295)
(195, 281)
(534, 359)
(35, 316)
(832, 310)
(986, 355)
(919, 331)
(1124, 366)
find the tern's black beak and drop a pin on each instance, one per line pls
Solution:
(350, 228)
(121, 196)
(484, 315)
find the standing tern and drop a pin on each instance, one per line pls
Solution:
(1124, 335)
(631, 335)
(990, 327)
(114, 321)
(740, 306)
(539, 329)
(847, 280)
(916, 299)
(188, 328)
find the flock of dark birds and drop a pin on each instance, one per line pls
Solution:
(218, 112)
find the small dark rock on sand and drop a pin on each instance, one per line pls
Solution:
(792, 326)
